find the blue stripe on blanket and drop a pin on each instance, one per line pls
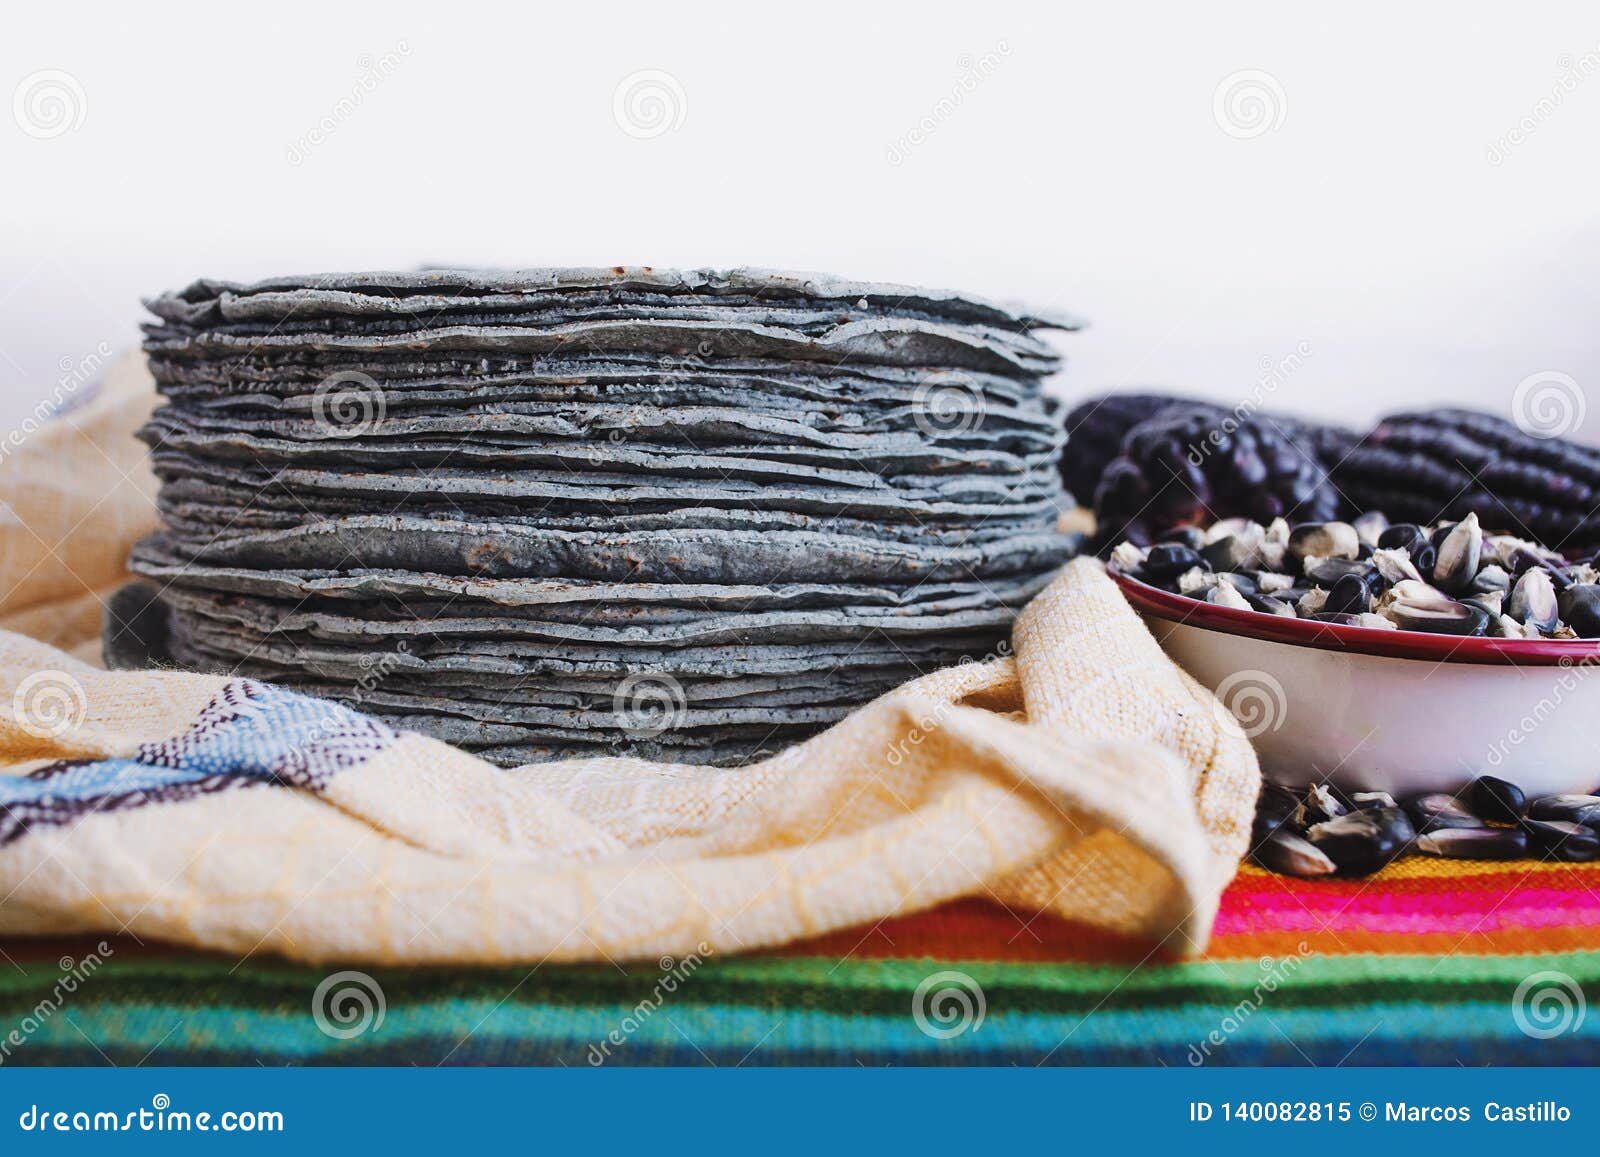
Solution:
(250, 734)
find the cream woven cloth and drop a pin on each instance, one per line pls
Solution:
(1085, 776)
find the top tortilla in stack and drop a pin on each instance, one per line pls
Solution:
(687, 515)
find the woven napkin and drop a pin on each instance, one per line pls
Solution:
(1082, 774)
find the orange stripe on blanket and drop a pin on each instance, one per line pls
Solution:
(1431, 871)
(1345, 942)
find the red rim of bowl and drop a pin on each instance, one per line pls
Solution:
(1175, 608)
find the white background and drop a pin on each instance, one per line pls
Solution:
(1088, 169)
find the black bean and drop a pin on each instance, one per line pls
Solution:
(1439, 616)
(1270, 605)
(1327, 571)
(1401, 534)
(1561, 840)
(1523, 560)
(1349, 595)
(1580, 607)
(1423, 556)
(1497, 799)
(1291, 855)
(1276, 807)
(1363, 842)
(1438, 810)
(1232, 553)
(1167, 560)
(1475, 843)
(1573, 809)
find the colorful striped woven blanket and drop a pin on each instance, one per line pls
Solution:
(1426, 964)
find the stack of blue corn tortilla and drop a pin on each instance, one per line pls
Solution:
(683, 515)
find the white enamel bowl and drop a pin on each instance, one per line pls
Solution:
(1396, 711)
